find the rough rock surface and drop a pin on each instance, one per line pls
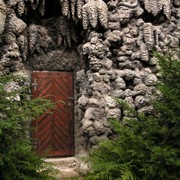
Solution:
(111, 57)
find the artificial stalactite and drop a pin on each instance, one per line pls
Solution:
(42, 8)
(38, 38)
(22, 42)
(66, 32)
(155, 6)
(148, 31)
(93, 11)
(15, 24)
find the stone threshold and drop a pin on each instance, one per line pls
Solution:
(69, 168)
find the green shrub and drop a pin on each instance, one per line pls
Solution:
(17, 158)
(146, 148)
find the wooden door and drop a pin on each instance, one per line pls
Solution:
(54, 132)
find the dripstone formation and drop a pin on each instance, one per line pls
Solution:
(108, 44)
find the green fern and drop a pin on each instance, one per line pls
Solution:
(147, 145)
(17, 159)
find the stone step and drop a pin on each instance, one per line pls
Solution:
(68, 168)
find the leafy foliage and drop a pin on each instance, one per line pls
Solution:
(17, 158)
(146, 147)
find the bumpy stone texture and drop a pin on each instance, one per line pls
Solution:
(14, 24)
(57, 60)
(155, 6)
(19, 4)
(93, 11)
(72, 9)
(38, 38)
(66, 32)
(120, 59)
(113, 60)
(3, 12)
(11, 58)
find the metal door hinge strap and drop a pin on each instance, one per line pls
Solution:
(71, 98)
(35, 84)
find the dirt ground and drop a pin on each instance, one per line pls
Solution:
(70, 168)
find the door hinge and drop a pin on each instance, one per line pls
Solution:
(71, 98)
(35, 84)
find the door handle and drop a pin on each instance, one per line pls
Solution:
(71, 98)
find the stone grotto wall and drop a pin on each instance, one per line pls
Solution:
(108, 44)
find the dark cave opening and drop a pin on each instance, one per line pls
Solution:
(52, 9)
(148, 17)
